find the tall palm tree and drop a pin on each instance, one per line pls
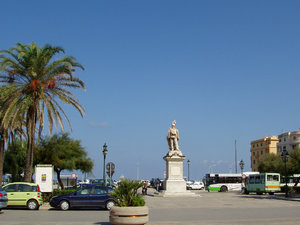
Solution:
(38, 79)
(8, 133)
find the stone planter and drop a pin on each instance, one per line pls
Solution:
(129, 215)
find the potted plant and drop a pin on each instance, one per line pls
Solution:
(130, 206)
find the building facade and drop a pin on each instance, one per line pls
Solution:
(259, 148)
(288, 141)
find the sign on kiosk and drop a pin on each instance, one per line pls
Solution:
(44, 177)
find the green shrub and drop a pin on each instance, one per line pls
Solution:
(126, 193)
(296, 189)
(57, 192)
(46, 196)
(138, 201)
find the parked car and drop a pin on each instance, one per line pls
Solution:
(87, 196)
(196, 185)
(188, 183)
(3, 199)
(102, 182)
(23, 194)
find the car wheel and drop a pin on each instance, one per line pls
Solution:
(64, 205)
(109, 204)
(32, 204)
(224, 189)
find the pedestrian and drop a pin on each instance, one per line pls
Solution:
(144, 190)
(157, 184)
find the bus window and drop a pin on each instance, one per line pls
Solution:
(251, 180)
(275, 177)
(257, 179)
(262, 179)
(272, 178)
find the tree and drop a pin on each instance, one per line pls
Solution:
(63, 153)
(7, 133)
(37, 80)
(271, 163)
(294, 164)
(14, 160)
(274, 163)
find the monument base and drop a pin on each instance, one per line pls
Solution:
(174, 184)
(165, 193)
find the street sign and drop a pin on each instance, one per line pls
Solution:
(74, 175)
(110, 173)
(110, 167)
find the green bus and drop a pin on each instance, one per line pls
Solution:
(224, 182)
(291, 180)
(263, 183)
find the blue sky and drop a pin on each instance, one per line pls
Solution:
(224, 70)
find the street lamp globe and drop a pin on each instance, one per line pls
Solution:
(104, 150)
(242, 164)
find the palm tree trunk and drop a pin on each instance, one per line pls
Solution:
(31, 123)
(2, 143)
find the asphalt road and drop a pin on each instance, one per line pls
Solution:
(205, 208)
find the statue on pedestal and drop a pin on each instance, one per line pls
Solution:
(172, 138)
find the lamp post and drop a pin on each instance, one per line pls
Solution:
(104, 156)
(242, 164)
(284, 156)
(188, 162)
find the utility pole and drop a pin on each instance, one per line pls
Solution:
(138, 171)
(235, 157)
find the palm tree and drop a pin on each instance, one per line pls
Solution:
(9, 133)
(38, 79)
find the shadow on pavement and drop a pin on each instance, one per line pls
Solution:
(79, 209)
(103, 223)
(276, 197)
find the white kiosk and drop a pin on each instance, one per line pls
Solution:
(44, 177)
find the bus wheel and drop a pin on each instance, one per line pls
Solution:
(259, 193)
(246, 192)
(224, 189)
(271, 193)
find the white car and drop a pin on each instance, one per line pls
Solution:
(196, 185)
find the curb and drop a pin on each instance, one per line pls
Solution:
(45, 206)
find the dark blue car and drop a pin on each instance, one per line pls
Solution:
(88, 196)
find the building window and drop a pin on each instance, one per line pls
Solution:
(254, 161)
(253, 153)
(279, 140)
(256, 145)
(253, 146)
(262, 152)
(284, 147)
(284, 139)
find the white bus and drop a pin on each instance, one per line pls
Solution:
(225, 181)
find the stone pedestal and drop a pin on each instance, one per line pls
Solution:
(174, 184)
